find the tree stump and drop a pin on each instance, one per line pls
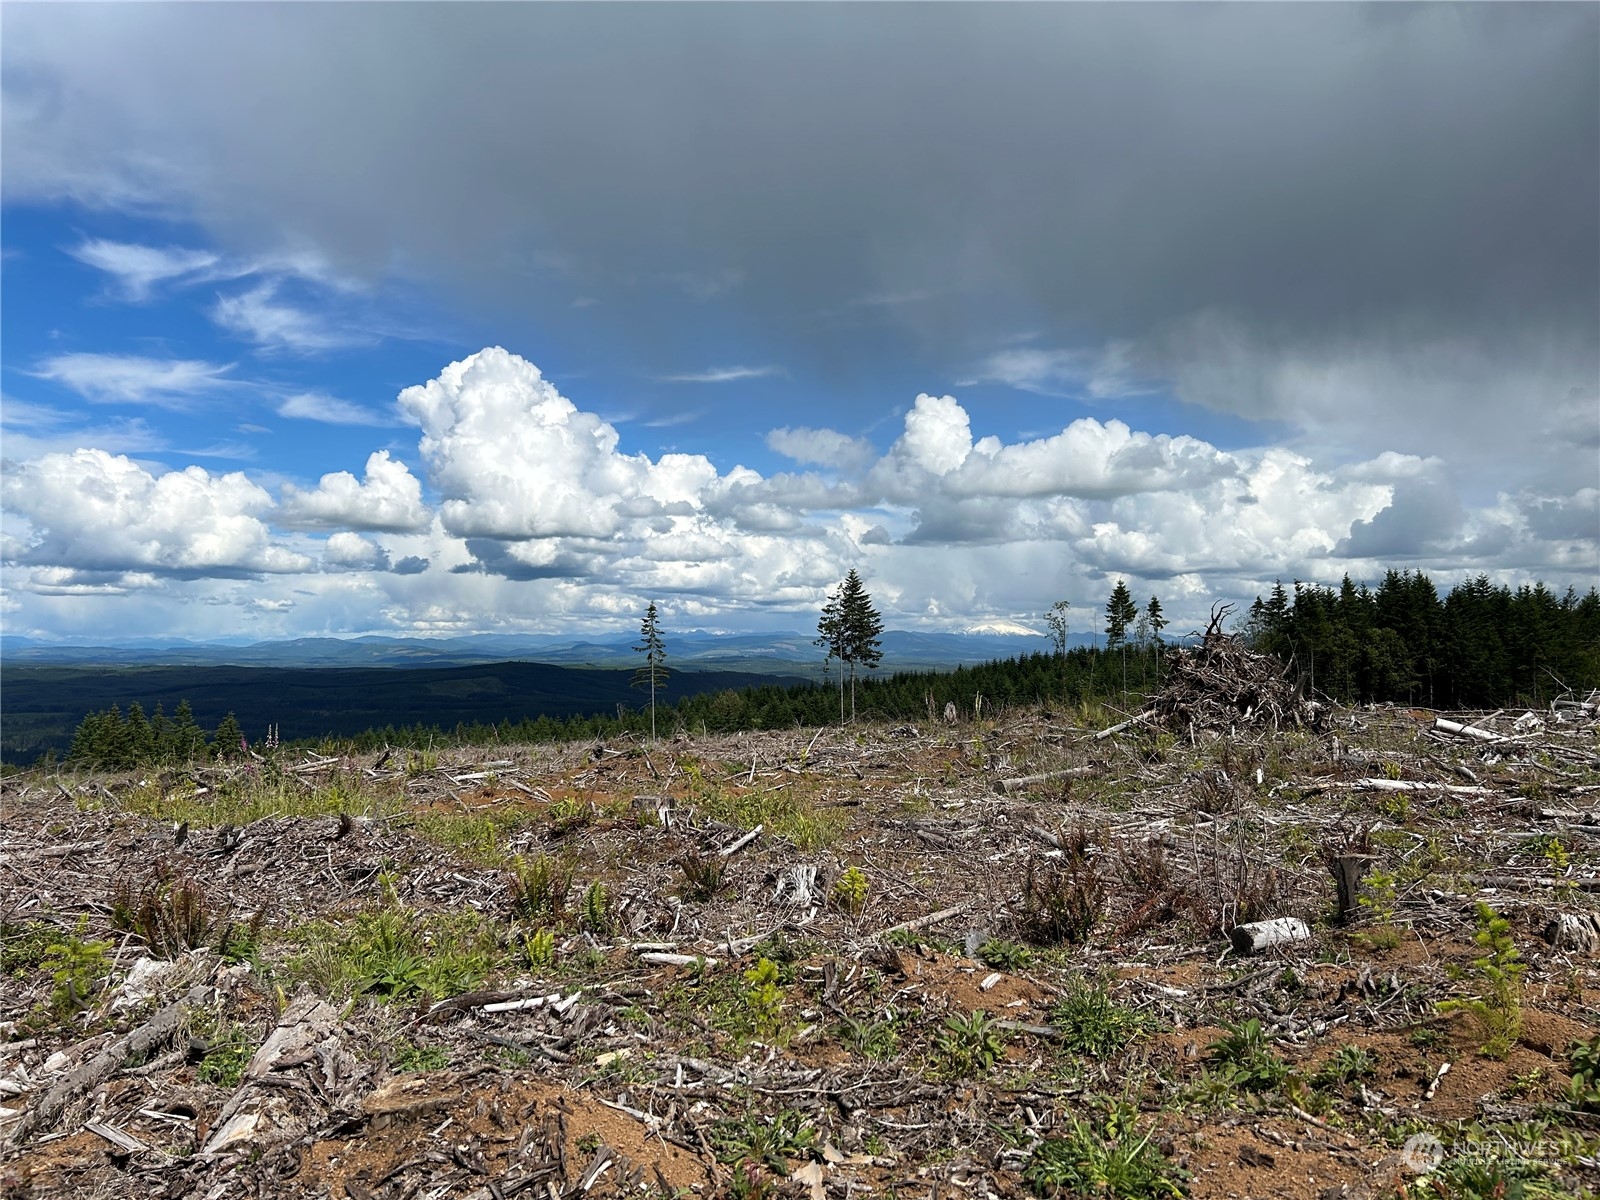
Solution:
(1348, 870)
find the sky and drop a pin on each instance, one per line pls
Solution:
(423, 319)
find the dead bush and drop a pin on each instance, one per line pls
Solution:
(1144, 867)
(1063, 898)
(170, 912)
(702, 874)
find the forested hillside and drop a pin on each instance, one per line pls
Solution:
(1482, 645)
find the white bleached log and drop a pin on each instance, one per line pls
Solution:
(1456, 727)
(735, 847)
(1261, 935)
(1006, 786)
(1414, 785)
(675, 960)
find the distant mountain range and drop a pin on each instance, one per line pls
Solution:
(783, 653)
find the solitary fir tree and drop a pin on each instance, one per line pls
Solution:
(851, 630)
(653, 674)
(1157, 622)
(1120, 613)
(831, 637)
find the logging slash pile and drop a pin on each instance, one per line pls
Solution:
(1221, 686)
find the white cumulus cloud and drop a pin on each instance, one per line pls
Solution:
(515, 459)
(345, 551)
(388, 499)
(94, 511)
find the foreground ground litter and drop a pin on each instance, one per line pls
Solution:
(1331, 953)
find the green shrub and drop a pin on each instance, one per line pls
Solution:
(1004, 956)
(539, 949)
(78, 971)
(969, 1046)
(876, 1040)
(1498, 1007)
(702, 874)
(763, 998)
(756, 1141)
(599, 910)
(1063, 898)
(850, 891)
(1583, 1091)
(539, 888)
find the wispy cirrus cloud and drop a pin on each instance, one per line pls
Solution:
(272, 324)
(330, 410)
(724, 374)
(34, 430)
(136, 270)
(134, 379)
(1106, 373)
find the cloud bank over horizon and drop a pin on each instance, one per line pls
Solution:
(993, 303)
(529, 508)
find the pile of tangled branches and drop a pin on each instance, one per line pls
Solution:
(1222, 686)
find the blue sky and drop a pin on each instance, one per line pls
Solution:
(996, 305)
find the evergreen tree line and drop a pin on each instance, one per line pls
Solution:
(116, 740)
(111, 739)
(1481, 646)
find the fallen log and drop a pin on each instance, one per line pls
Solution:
(663, 959)
(1444, 725)
(1413, 785)
(1262, 935)
(97, 1070)
(735, 847)
(1118, 728)
(1006, 786)
(944, 914)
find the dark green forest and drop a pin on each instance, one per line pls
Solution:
(1482, 645)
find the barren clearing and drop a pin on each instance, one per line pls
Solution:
(406, 1019)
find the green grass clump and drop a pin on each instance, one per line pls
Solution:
(758, 1141)
(877, 1040)
(393, 955)
(481, 837)
(1106, 1158)
(1245, 1057)
(1092, 1023)
(790, 814)
(247, 798)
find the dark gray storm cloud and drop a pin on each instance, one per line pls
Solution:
(1259, 200)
